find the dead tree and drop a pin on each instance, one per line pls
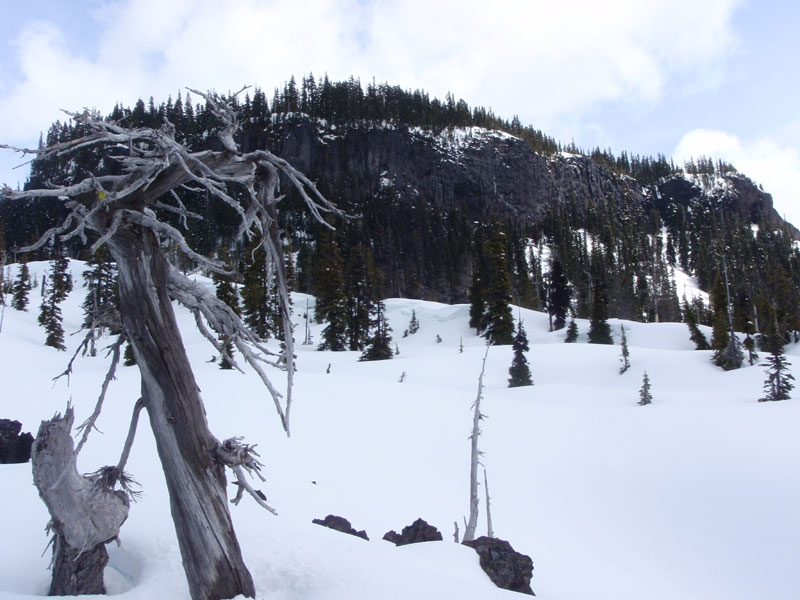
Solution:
(474, 458)
(136, 179)
(86, 513)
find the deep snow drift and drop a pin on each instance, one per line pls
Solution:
(693, 497)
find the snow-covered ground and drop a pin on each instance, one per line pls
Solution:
(694, 497)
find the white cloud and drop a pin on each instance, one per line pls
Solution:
(546, 62)
(773, 165)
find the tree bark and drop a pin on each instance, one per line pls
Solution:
(196, 482)
(84, 515)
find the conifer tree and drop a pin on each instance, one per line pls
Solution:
(499, 321)
(256, 283)
(60, 278)
(700, 341)
(413, 324)
(559, 295)
(599, 329)
(379, 346)
(21, 288)
(329, 292)
(645, 397)
(625, 363)
(726, 346)
(360, 291)
(50, 311)
(101, 303)
(328, 277)
(128, 359)
(477, 304)
(520, 373)
(226, 291)
(572, 332)
(779, 382)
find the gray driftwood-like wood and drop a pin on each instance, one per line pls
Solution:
(140, 171)
(474, 458)
(85, 515)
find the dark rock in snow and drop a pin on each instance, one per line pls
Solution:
(340, 524)
(418, 531)
(506, 568)
(14, 448)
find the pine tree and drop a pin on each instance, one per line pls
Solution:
(778, 384)
(624, 353)
(101, 299)
(379, 347)
(599, 329)
(329, 292)
(360, 291)
(572, 332)
(559, 295)
(477, 304)
(227, 293)
(256, 306)
(21, 288)
(50, 311)
(700, 341)
(726, 346)
(413, 324)
(128, 359)
(499, 321)
(61, 279)
(645, 397)
(520, 373)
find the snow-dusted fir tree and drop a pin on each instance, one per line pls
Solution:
(21, 288)
(572, 332)
(226, 292)
(700, 341)
(379, 346)
(520, 373)
(779, 382)
(101, 303)
(559, 296)
(599, 329)
(137, 178)
(413, 324)
(645, 397)
(624, 357)
(50, 311)
(726, 346)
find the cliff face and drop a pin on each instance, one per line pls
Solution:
(486, 174)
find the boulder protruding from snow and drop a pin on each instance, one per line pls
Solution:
(14, 447)
(507, 568)
(418, 531)
(340, 524)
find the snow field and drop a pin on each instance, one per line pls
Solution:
(692, 497)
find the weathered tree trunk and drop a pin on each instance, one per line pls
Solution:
(196, 482)
(474, 458)
(85, 516)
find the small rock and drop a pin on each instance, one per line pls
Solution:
(506, 568)
(418, 531)
(340, 524)
(14, 448)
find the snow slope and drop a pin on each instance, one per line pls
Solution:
(693, 497)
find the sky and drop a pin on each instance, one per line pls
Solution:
(682, 78)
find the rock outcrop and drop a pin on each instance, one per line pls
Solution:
(418, 531)
(507, 568)
(15, 447)
(340, 524)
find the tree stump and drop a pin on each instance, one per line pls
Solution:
(84, 513)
